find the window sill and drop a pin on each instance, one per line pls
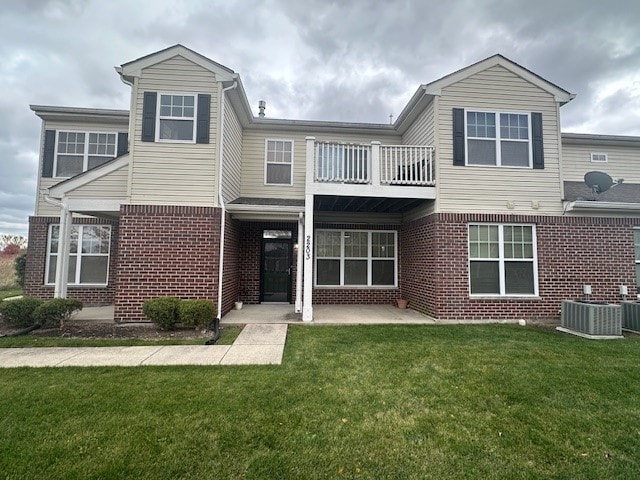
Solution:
(160, 140)
(356, 287)
(504, 297)
(81, 285)
(499, 166)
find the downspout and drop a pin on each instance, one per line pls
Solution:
(221, 198)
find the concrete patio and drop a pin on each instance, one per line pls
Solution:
(284, 313)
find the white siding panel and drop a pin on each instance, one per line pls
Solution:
(253, 144)
(494, 189)
(232, 154)
(622, 162)
(112, 185)
(175, 173)
(422, 131)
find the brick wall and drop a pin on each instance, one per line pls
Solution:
(37, 260)
(231, 274)
(165, 250)
(251, 257)
(346, 295)
(572, 252)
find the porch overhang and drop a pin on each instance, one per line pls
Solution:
(365, 204)
(257, 209)
(592, 206)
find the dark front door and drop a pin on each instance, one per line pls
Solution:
(276, 271)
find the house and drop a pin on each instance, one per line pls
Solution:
(471, 205)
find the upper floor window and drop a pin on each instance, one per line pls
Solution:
(599, 157)
(77, 152)
(502, 260)
(177, 118)
(278, 166)
(499, 139)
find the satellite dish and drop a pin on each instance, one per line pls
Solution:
(598, 182)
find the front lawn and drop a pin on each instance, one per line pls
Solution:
(379, 402)
(10, 292)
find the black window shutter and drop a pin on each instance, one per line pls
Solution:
(123, 143)
(149, 116)
(536, 134)
(49, 153)
(458, 136)
(537, 145)
(204, 118)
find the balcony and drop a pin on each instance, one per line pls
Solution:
(370, 169)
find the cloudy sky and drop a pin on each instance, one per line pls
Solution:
(309, 59)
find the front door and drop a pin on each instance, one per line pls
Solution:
(276, 270)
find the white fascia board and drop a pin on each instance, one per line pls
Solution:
(94, 204)
(134, 68)
(595, 206)
(267, 209)
(389, 191)
(560, 95)
(66, 186)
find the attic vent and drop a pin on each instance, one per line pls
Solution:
(261, 106)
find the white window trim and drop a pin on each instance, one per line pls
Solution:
(159, 117)
(497, 139)
(79, 255)
(266, 144)
(593, 154)
(369, 259)
(85, 158)
(501, 261)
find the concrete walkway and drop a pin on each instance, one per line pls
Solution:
(256, 345)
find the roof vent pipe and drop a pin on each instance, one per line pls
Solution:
(261, 106)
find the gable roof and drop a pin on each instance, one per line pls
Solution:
(425, 92)
(134, 68)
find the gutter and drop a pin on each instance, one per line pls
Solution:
(221, 198)
(602, 206)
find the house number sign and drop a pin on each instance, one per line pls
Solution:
(307, 247)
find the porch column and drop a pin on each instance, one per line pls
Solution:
(375, 163)
(64, 246)
(306, 244)
(307, 307)
(299, 264)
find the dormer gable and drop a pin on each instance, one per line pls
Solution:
(134, 68)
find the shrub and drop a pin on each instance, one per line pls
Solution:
(196, 313)
(20, 265)
(53, 313)
(162, 311)
(11, 249)
(19, 313)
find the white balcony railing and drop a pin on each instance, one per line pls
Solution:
(342, 163)
(373, 164)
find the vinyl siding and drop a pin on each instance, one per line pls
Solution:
(422, 131)
(174, 173)
(253, 151)
(43, 208)
(489, 189)
(623, 162)
(232, 154)
(112, 186)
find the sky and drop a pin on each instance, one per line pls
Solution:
(347, 60)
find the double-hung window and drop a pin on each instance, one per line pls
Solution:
(356, 258)
(88, 254)
(177, 118)
(278, 167)
(502, 260)
(77, 152)
(498, 139)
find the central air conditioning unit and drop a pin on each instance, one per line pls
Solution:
(591, 319)
(631, 316)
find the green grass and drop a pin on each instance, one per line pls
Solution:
(227, 336)
(376, 402)
(11, 292)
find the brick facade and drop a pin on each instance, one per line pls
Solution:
(231, 274)
(572, 252)
(165, 250)
(37, 263)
